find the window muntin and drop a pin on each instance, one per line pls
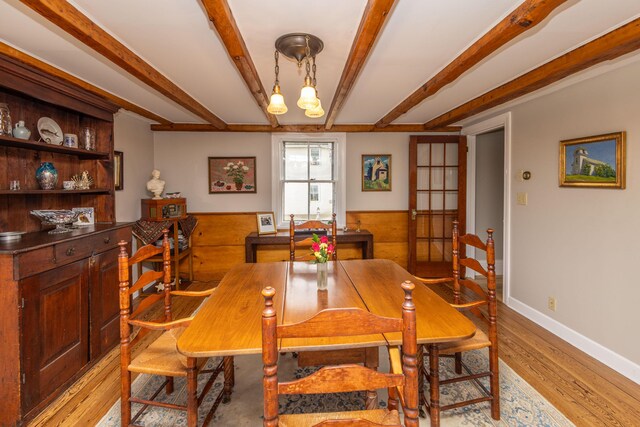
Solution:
(309, 184)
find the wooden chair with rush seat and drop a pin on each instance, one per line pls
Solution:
(402, 383)
(161, 357)
(307, 242)
(468, 296)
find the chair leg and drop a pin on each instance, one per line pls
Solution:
(458, 363)
(434, 385)
(169, 387)
(371, 361)
(494, 383)
(192, 392)
(229, 379)
(125, 395)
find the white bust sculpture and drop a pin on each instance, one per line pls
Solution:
(155, 185)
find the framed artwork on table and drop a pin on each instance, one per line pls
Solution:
(593, 161)
(376, 172)
(232, 175)
(266, 223)
(118, 170)
(86, 216)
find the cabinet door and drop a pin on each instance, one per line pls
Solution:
(54, 329)
(105, 307)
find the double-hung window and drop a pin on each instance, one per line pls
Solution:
(310, 183)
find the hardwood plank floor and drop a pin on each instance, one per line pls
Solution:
(585, 390)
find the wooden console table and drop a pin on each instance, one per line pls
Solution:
(253, 240)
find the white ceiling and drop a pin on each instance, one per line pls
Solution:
(419, 39)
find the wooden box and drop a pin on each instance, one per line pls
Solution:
(163, 209)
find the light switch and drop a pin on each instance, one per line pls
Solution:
(522, 199)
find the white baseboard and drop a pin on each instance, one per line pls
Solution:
(613, 360)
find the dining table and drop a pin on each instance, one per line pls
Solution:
(229, 323)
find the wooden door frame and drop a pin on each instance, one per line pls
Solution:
(462, 189)
(501, 121)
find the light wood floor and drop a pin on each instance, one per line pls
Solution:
(586, 391)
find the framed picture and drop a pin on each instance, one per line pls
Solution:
(118, 170)
(594, 161)
(232, 175)
(266, 223)
(376, 172)
(86, 216)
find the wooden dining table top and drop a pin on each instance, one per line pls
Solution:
(230, 322)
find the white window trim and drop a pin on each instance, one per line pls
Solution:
(340, 141)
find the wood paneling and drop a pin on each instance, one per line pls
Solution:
(218, 243)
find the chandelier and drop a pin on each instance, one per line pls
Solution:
(303, 48)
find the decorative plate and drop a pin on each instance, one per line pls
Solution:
(49, 131)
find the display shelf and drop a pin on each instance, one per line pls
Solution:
(90, 191)
(9, 141)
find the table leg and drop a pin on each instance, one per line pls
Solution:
(372, 362)
(192, 392)
(435, 385)
(229, 379)
(421, 399)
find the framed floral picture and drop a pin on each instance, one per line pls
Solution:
(593, 161)
(376, 172)
(232, 175)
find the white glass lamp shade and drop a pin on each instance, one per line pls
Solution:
(315, 112)
(308, 98)
(276, 104)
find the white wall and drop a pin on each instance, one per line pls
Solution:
(133, 137)
(490, 187)
(579, 245)
(182, 159)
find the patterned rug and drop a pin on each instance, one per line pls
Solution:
(521, 405)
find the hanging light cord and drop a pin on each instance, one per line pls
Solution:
(307, 54)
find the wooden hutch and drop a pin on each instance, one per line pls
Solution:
(58, 292)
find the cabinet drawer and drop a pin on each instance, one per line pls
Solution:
(33, 262)
(90, 245)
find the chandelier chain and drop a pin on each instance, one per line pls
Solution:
(313, 59)
(276, 55)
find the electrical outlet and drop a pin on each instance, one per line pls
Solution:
(551, 303)
(521, 199)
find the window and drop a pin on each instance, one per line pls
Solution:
(308, 179)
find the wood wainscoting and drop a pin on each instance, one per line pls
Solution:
(218, 241)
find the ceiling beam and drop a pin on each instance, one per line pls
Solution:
(612, 45)
(222, 18)
(526, 16)
(18, 55)
(196, 127)
(372, 21)
(71, 20)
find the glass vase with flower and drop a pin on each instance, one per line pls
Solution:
(322, 251)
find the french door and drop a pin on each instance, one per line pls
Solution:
(437, 197)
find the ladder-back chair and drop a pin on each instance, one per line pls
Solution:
(468, 296)
(307, 242)
(402, 382)
(161, 357)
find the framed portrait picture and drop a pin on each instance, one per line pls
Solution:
(594, 161)
(376, 172)
(118, 170)
(232, 175)
(85, 217)
(266, 223)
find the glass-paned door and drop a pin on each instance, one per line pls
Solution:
(437, 197)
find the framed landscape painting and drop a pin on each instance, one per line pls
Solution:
(232, 175)
(594, 161)
(376, 172)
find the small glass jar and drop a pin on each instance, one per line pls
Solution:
(88, 138)
(5, 120)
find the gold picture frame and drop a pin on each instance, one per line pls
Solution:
(593, 161)
(266, 223)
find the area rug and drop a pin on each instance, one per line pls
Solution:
(521, 405)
